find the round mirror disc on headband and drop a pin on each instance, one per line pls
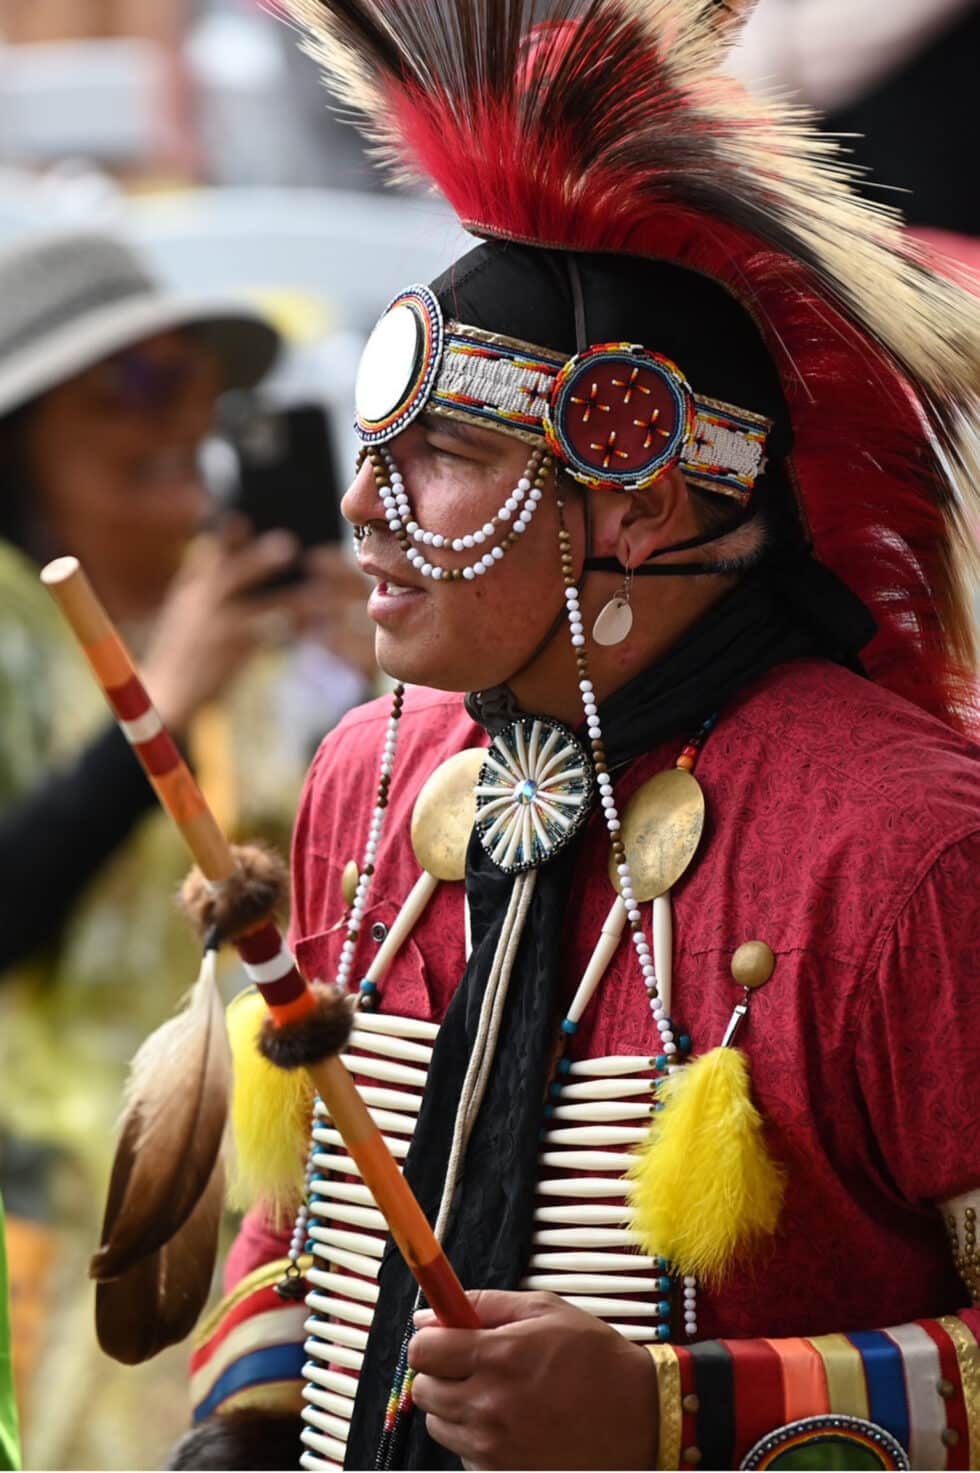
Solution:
(388, 365)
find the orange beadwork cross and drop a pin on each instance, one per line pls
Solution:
(630, 384)
(651, 427)
(610, 450)
(592, 402)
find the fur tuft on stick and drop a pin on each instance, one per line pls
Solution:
(319, 1036)
(258, 889)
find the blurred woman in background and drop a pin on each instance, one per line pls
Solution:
(108, 387)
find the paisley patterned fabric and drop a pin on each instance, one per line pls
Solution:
(844, 830)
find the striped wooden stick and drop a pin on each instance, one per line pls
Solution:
(266, 957)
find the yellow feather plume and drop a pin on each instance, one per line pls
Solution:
(704, 1187)
(270, 1116)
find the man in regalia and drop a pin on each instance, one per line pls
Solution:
(665, 490)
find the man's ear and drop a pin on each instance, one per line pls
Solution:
(643, 521)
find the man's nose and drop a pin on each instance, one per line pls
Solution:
(361, 503)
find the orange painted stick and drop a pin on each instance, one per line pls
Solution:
(288, 995)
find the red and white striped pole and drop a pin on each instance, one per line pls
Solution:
(266, 958)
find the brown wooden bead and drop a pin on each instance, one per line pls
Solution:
(753, 964)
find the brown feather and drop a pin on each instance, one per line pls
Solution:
(157, 1302)
(172, 1129)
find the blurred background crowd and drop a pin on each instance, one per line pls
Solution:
(192, 251)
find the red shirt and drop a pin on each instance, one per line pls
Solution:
(843, 829)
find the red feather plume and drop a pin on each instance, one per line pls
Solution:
(609, 125)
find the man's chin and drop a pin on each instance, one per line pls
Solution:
(410, 666)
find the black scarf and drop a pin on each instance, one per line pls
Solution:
(488, 1239)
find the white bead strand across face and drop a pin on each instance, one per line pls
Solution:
(418, 543)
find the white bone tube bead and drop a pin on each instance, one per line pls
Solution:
(602, 1110)
(391, 1023)
(641, 1334)
(324, 1161)
(385, 1069)
(342, 1284)
(367, 1217)
(598, 963)
(345, 1191)
(391, 1120)
(326, 1401)
(584, 1237)
(399, 1149)
(391, 1048)
(603, 1308)
(325, 1420)
(592, 1263)
(584, 1187)
(663, 947)
(390, 1099)
(585, 1161)
(596, 1135)
(309, 1459)
(606, 1089)
(333, 1354)
(344, 1309)
(335, 1334)
(329, 1446)
(332, 1380)
(610, 1067)
(358, 1263)
(590, 1284)
(583, 1212)
(353, 1242)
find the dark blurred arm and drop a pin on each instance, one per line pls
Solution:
(58, 835)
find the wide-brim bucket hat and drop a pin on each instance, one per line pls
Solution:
(71, 298)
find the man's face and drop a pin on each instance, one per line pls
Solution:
(460, 635)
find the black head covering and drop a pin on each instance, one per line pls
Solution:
(530, 293)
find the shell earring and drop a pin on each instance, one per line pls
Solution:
(615, 619)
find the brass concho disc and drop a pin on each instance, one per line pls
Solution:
(442, 819)
(661, 831)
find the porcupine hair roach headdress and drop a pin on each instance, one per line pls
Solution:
(607, 128)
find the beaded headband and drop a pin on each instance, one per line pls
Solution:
(617, 416)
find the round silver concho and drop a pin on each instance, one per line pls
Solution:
(399, 365)
(534, 792)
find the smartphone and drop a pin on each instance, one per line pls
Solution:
(286, 476)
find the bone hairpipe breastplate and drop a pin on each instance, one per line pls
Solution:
(583, 1248)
